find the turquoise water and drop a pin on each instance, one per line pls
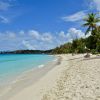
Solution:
(13, 65)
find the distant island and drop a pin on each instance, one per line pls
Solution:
(27, 52)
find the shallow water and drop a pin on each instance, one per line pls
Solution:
(11, 66)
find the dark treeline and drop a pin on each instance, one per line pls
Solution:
(27, 52)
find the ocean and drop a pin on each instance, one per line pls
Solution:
(13, 65)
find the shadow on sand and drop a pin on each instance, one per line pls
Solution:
(84, 59)
(97, 57)
(74, 59)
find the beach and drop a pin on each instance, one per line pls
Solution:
(70, 78)
(49, 50)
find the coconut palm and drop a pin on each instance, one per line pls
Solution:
(91, 21)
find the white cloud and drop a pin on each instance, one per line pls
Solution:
(4, 5)
(34, 34)
(72, 33)
(75, 33)
(8, 36)
(46, 37)
(35, 40)
(28, 45)
(62, 34)
(74, 17)
(11, 35)
(22, 32)
(98, 23)
(4, 19)
(88, 34)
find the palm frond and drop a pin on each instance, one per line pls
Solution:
(90, 21)
(86, 24)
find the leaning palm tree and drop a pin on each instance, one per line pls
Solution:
(91, 22)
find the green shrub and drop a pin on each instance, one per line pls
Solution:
(94, 51)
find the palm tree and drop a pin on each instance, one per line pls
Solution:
(91, 22)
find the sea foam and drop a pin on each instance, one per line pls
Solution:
(40, 66)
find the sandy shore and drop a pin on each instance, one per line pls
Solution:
(75, 78)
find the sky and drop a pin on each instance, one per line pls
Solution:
(42, 24)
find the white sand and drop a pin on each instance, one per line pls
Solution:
(74, 79)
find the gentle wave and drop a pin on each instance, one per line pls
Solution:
(55, 59)
(40, 66)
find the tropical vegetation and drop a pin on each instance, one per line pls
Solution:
(87, 44)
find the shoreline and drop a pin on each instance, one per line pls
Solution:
(26, 79)
(47, 81)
